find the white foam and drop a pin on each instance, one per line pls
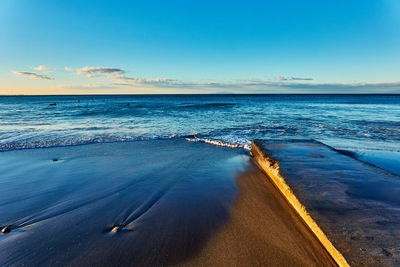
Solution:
(221, 143)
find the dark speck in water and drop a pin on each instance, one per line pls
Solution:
(383, 223)
(316, 156)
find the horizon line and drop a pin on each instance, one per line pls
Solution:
(1, 95)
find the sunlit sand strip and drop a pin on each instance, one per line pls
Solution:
(271, 167)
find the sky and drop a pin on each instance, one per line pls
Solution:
(156, 47)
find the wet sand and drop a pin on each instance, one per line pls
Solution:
(176, 203)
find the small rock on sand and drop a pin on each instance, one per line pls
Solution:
(6, 230)
(115, 229)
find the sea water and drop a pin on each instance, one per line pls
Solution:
(366, 125)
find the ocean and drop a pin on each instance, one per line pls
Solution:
(366, 126)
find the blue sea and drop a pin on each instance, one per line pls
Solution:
(367, 126)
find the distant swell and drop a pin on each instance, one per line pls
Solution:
(209, 105)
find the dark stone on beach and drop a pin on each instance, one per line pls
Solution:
(55, 160)
(386, 252)
(6, 230)
(53, 104)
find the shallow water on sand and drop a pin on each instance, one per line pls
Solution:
(168, 197)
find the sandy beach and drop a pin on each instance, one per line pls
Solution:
(175, 203)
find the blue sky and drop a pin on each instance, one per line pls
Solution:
(84, 47)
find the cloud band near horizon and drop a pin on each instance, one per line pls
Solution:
(119, 79)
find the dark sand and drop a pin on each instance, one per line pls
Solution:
(177, 202)
(262, 231)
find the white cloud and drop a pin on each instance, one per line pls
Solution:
(91, 72)
(31, 75)
(44, 69)
(118, 76)
(282, 78)
(126, 79)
